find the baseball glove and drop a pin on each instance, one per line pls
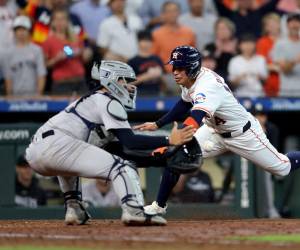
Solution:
(186, 158)
(182, 159)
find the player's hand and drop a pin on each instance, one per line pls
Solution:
(181, 136)
(147, 126)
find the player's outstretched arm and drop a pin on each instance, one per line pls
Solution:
(134, 141)
(180, 109)
(147, 126)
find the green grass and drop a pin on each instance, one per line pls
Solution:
(290, 238)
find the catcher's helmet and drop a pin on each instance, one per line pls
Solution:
(186, 57)
(116, 77)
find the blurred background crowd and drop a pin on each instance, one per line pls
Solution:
(47, 47)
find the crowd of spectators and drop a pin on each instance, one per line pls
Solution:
(47, 47)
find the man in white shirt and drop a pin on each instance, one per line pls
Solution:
(117, 34)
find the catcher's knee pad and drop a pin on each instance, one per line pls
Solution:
(125, 179)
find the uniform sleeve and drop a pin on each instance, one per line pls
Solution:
(41, 68)
(207, 96)
(103, 38)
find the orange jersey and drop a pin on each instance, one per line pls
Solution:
(166, 39)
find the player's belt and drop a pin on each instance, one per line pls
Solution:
(47, 133)
(238, 132)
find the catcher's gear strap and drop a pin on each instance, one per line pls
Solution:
(73, 195)
(116, 110)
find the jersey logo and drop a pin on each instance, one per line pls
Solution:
(175, 55)
(200, 98)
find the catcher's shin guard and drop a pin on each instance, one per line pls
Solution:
(126, 183)
(75, 212)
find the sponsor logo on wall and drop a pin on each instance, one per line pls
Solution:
(14, 134)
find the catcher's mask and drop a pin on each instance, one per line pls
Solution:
(116, 77)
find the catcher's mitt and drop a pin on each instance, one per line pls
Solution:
(186, 158)
(182, 159)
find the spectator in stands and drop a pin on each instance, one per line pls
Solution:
(2, 63)
(91, 14)
(100, 193)
(247, 71)
(245, 18)
(151, 10)
(225, 45)
(65, 56)
(264, 45)
(41, 11)
(170, 35)
(148, 67)
(133, 7)
(208, 60)
(195, 187)
(117, 34)
(28, 193)
(7, 15)
(295, 8)
(202, 24)
(286, 54)
(24, 68)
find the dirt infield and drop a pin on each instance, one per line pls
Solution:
(111, 234)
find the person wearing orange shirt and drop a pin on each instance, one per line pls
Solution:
(170, 35)
(264, 45)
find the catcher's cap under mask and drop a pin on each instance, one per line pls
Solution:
(186, 57)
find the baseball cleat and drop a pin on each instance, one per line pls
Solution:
(137, 217)
(76, 213)
(155, 220)
(133, 216)
(155, 209)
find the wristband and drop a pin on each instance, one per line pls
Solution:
(159, 124)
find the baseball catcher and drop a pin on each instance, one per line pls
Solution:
(62, 146)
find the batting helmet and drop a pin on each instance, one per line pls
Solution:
(186, 57)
